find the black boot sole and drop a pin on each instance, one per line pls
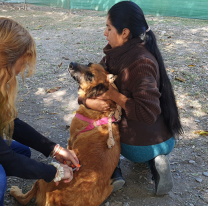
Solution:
(162, 175)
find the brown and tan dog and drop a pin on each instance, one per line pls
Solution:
(91, 185)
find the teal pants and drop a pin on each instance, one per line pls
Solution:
(146, 153)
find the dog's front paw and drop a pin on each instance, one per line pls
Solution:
(15, 191)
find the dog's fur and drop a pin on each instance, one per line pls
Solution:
(91, 185)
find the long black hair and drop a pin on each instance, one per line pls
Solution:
(127, 14)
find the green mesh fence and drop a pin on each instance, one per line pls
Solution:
(181, 8)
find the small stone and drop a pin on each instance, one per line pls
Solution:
(163, 32)
(191, 161)
(198, 179)
(205, 174)
(107, 204)
(181, 137)
(8, 202)
(196, 120)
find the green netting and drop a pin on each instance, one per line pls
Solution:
(181, 8)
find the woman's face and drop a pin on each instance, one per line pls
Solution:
(113, 38)
(19, 65)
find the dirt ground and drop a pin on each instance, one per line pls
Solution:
(62, 37)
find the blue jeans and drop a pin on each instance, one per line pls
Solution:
(3, 185)
(145, 153)
(18, 148)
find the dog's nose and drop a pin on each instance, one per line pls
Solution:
(72, 65)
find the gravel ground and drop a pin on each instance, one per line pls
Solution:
(62, 37)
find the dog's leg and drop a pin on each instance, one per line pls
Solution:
(24, 198)
(69, 146)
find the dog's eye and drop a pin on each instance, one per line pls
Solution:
(89, 65)
(89, 76)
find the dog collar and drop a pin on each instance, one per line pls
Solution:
(92, 123)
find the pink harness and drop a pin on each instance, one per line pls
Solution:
(92, 123)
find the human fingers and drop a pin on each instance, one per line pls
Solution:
(57, 183)
(68, 173)
(67, 162)
(104, 106)
(74, 155)
(101, 104)
(67, 155)
(59, 158)
(69, 179)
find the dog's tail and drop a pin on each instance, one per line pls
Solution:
(24, 198)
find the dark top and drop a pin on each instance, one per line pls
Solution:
(138, 79)
(21, 166)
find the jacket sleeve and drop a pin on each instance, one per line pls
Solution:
(27, 135)
(21, 166)
(143, 104)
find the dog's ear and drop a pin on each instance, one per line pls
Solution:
(97, 90)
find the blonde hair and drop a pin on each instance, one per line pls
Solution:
(15, 43)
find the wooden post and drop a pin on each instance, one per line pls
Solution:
(68, 7)
(24, 5)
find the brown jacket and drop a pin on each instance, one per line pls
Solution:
(138, 79)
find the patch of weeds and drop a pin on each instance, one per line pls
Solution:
(191, 22)
(45, 111)
(42, 74)
(64, 108)
(176, 83)
(197, 114)
(193, 93)
(22, 89)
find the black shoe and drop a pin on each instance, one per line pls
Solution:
(160, 169)
(118, 180)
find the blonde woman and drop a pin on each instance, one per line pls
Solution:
(18, 55)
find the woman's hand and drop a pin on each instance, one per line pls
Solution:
(67, 156)
(97, 104)
(68, 174)
(115, 96)
(109, 94)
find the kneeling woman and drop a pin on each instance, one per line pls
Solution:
(150, 118)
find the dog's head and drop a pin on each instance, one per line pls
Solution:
(92, 79)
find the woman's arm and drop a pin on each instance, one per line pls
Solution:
(21, 166)
(95, 104)
(27, 135)
(142, 103)
(115, 96)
